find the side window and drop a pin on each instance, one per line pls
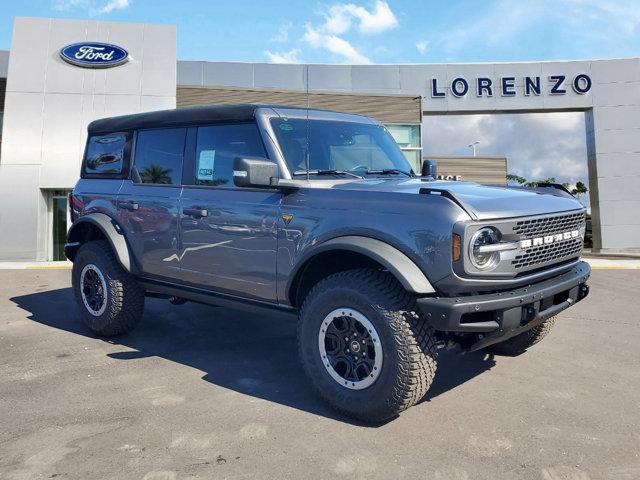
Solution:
(105, 154)
(217, 147)
(158, 157)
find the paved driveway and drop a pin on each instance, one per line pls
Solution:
(200, 392)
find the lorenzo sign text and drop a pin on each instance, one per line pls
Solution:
(506, 86)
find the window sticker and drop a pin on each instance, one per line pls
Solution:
(206, 165)
(286, 127)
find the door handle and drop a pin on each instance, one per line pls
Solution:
(195, 212)
(131, 206)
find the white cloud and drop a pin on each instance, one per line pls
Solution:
(622, 15)
(340, 17)
(494, 26)
(283, 33)
(329, 33)
(422, 46)
(601, 24)
(292, 56)
(62, 5)
(114, 5)
(92, 7)
(334, 44)
(558, 122)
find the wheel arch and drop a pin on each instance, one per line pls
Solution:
(349, 252)
(98, 226)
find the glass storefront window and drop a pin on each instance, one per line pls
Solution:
(59, 226)
(57, 222)
(408, 139)
(414, 158)
(406, 136)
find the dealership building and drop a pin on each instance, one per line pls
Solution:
(61, 74)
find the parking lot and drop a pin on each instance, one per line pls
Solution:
(201, 392)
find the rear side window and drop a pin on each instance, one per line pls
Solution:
(217, 147)
(159, 155)
(105, 154)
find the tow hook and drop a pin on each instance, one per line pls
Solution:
(583, 291)
(446, 344)
(177, 300)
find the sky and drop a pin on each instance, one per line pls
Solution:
(369, 31)
(399, 31)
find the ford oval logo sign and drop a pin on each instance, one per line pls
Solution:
(94, 55)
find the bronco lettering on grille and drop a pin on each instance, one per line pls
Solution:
(558, 237)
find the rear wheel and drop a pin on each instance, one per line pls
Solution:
(364, 347)
(518, 344)
(110, 300)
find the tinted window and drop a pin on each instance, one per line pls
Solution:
(159, 155)
(105, 154)
(218, 146)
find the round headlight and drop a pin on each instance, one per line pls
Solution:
(482, 258)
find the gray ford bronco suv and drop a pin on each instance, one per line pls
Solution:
(318, 214)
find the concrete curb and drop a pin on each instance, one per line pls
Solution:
(35, 265)
(610, 264)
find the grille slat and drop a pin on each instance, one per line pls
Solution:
(538, 227)
(546, 253)
(557, 251)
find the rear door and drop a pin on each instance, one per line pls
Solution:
(148, 202)
(228, 234)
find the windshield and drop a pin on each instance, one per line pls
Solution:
(338, 147)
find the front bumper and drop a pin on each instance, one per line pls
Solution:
(499, 316)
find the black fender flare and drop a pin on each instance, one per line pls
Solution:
(399, 264)
(110, 229)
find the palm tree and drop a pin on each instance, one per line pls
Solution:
(579, 189)
(155, 174)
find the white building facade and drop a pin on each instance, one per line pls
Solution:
(47, 103)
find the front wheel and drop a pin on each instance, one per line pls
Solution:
(364, 347)
(110, 300)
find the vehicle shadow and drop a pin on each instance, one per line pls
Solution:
(251, 354)
(455, 369)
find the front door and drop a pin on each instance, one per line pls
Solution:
(148, 203)
(228, 234)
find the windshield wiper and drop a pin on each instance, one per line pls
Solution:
(326, 172)
(388, 171)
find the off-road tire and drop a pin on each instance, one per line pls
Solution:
(124, 297)
(408, 343)
(518, 344)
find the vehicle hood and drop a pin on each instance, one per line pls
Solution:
(481, 201)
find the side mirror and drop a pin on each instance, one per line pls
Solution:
(430, 168)
(254, 172)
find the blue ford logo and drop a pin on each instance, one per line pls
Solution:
(94, 55)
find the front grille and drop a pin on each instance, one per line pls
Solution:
(556, 252)
(547, 253)
(537, 227)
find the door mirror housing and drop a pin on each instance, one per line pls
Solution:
(430, 168)
(254, 172)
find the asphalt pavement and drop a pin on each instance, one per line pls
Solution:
(202, 392)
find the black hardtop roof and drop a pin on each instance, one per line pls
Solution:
(182, 117)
